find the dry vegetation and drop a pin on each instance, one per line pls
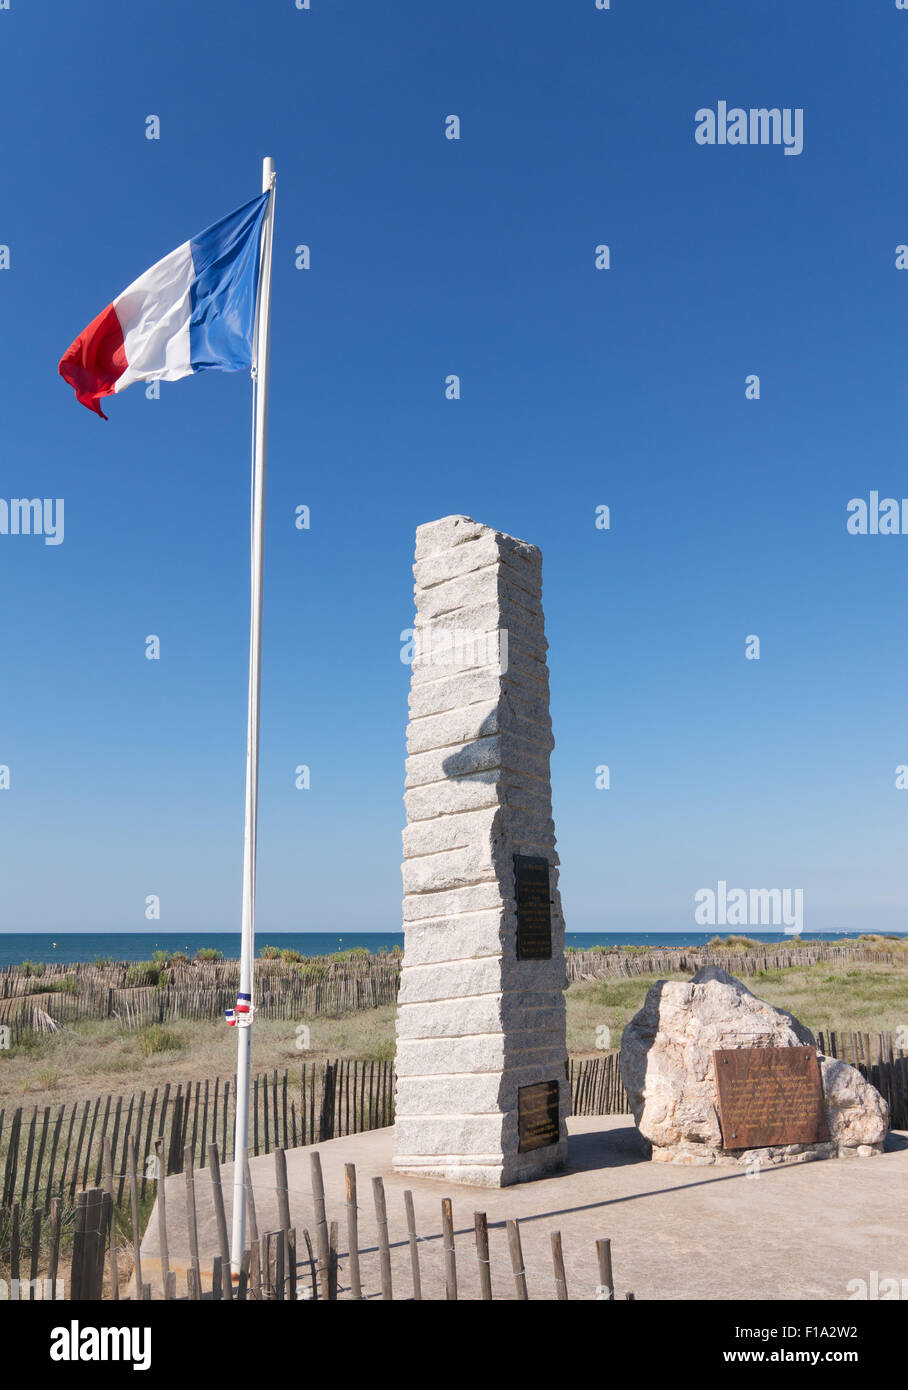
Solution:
(92, 1058)
(88, 1059)
(852, 997)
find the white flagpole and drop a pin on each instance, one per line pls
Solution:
(247, 952)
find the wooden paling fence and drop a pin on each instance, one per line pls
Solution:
(46, 1155)
(879, 1061)
(597, 1089)
(596, 1086)
(142, 994)
(138, 997)
(85, 976)
(67, 1177)
(597, 965)
(328, 1261)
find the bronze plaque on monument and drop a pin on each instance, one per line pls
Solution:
(769, 1095)
(537, 1116)
(534, 907)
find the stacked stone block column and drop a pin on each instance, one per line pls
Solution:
(475, 1023)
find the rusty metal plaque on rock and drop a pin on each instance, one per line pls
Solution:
(769, 1095)
(537, 1116)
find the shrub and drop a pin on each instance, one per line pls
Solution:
(313, 969)
(65, 984)
(290, 955)
(270, 953)
(145, 972)
(31, 967)
(208, 953)
(876, 942)
(156, 1038)
(732, 943)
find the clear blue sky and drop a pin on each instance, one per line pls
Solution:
(579, 387)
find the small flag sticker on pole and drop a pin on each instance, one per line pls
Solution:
(230, 1017)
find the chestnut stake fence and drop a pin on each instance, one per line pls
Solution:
(48, 1156)
(289, 1264)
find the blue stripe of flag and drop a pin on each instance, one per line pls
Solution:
(225, 258)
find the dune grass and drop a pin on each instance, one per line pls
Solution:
(92, 1058)
(860, 997)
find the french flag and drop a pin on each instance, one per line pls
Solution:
(194, 311)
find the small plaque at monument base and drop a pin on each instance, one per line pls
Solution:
(534, 907)
(769, 1096)
(537, 1116)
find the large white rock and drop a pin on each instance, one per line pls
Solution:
(667, 1068)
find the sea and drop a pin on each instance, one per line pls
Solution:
(70, 947)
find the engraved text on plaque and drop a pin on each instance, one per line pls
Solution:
(537, 1115)
(769, 1095)
(534, 907)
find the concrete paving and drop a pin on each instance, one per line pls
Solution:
(801, 1231)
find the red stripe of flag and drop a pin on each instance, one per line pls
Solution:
(96, 360)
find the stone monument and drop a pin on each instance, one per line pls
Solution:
(702, 1091)
(482, 1091)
